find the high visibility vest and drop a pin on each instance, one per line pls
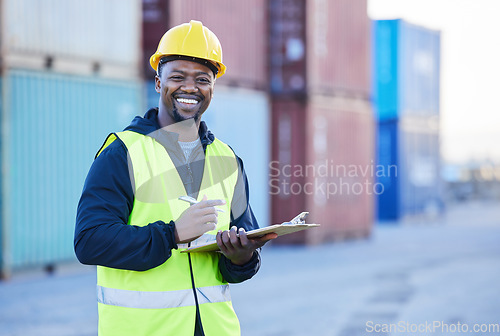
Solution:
(162, 300)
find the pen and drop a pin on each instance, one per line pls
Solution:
(192, 201)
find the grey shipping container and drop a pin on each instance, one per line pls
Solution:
(241, 118)
(73, 36)
(52, 126)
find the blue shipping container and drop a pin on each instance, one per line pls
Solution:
(151, 95)
(388, 207)
(406, 64)
(408, 159)
(52, 127)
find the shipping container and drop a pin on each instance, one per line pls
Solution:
(241, 27)
(409, 159)
(326, 168)
(288, 136)
(342, 150)
(338, 48)
(150, 94)
(406, 65)
(155, 22)
(241, 118)
(91, 36)
(52, 126)
(287, 47)
(388, 201)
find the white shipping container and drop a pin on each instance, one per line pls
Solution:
(94, 31)
(241, 118)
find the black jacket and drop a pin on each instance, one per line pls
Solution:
(102, 236)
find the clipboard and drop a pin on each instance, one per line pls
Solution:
(295, 225)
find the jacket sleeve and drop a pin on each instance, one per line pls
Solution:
(242, 217)
(102, 235)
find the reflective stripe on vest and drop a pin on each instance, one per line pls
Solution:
(159, 300)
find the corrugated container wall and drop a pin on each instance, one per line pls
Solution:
(406, 90)
(52, 126)
(288, 137)
(338, 48)
(152, 97)
(406, 66)
(83, 37)
(155, 18)
(337, 180)
(287, 47)
(388, 202)
(420, 166)
(241, 118)
(408, 152)
(341, 147)
(241, 27)
(322, 122)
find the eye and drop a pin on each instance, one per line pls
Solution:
(204, 80)
(176, 77)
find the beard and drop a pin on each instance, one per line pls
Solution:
(175, 112)
(178, 117)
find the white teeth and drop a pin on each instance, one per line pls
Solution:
(187, 101)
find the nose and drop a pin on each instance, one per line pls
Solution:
(189, 85)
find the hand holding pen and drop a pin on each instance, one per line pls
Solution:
(198, 219)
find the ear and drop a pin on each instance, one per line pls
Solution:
(157, 84)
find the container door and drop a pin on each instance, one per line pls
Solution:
(388, 171)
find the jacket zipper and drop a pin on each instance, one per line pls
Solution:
(194, 292)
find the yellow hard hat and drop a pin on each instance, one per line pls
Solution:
(192, 40)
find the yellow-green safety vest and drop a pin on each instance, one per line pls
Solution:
(161, 301)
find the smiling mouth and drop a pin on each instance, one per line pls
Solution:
(187, 101)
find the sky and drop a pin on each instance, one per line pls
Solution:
(470, 71)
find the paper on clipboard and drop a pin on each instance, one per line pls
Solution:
(279, 229)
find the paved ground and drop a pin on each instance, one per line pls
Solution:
(443, 272)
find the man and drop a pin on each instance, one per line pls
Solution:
(132, 224)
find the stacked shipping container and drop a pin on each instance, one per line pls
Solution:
(155, 22)
(406, 95)
(342, 143)
(322, 125)
(338, 54)
(69, 77)
(73, 58)
(241, 28)
(72, 36)
(287, 48)
(337, 65)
